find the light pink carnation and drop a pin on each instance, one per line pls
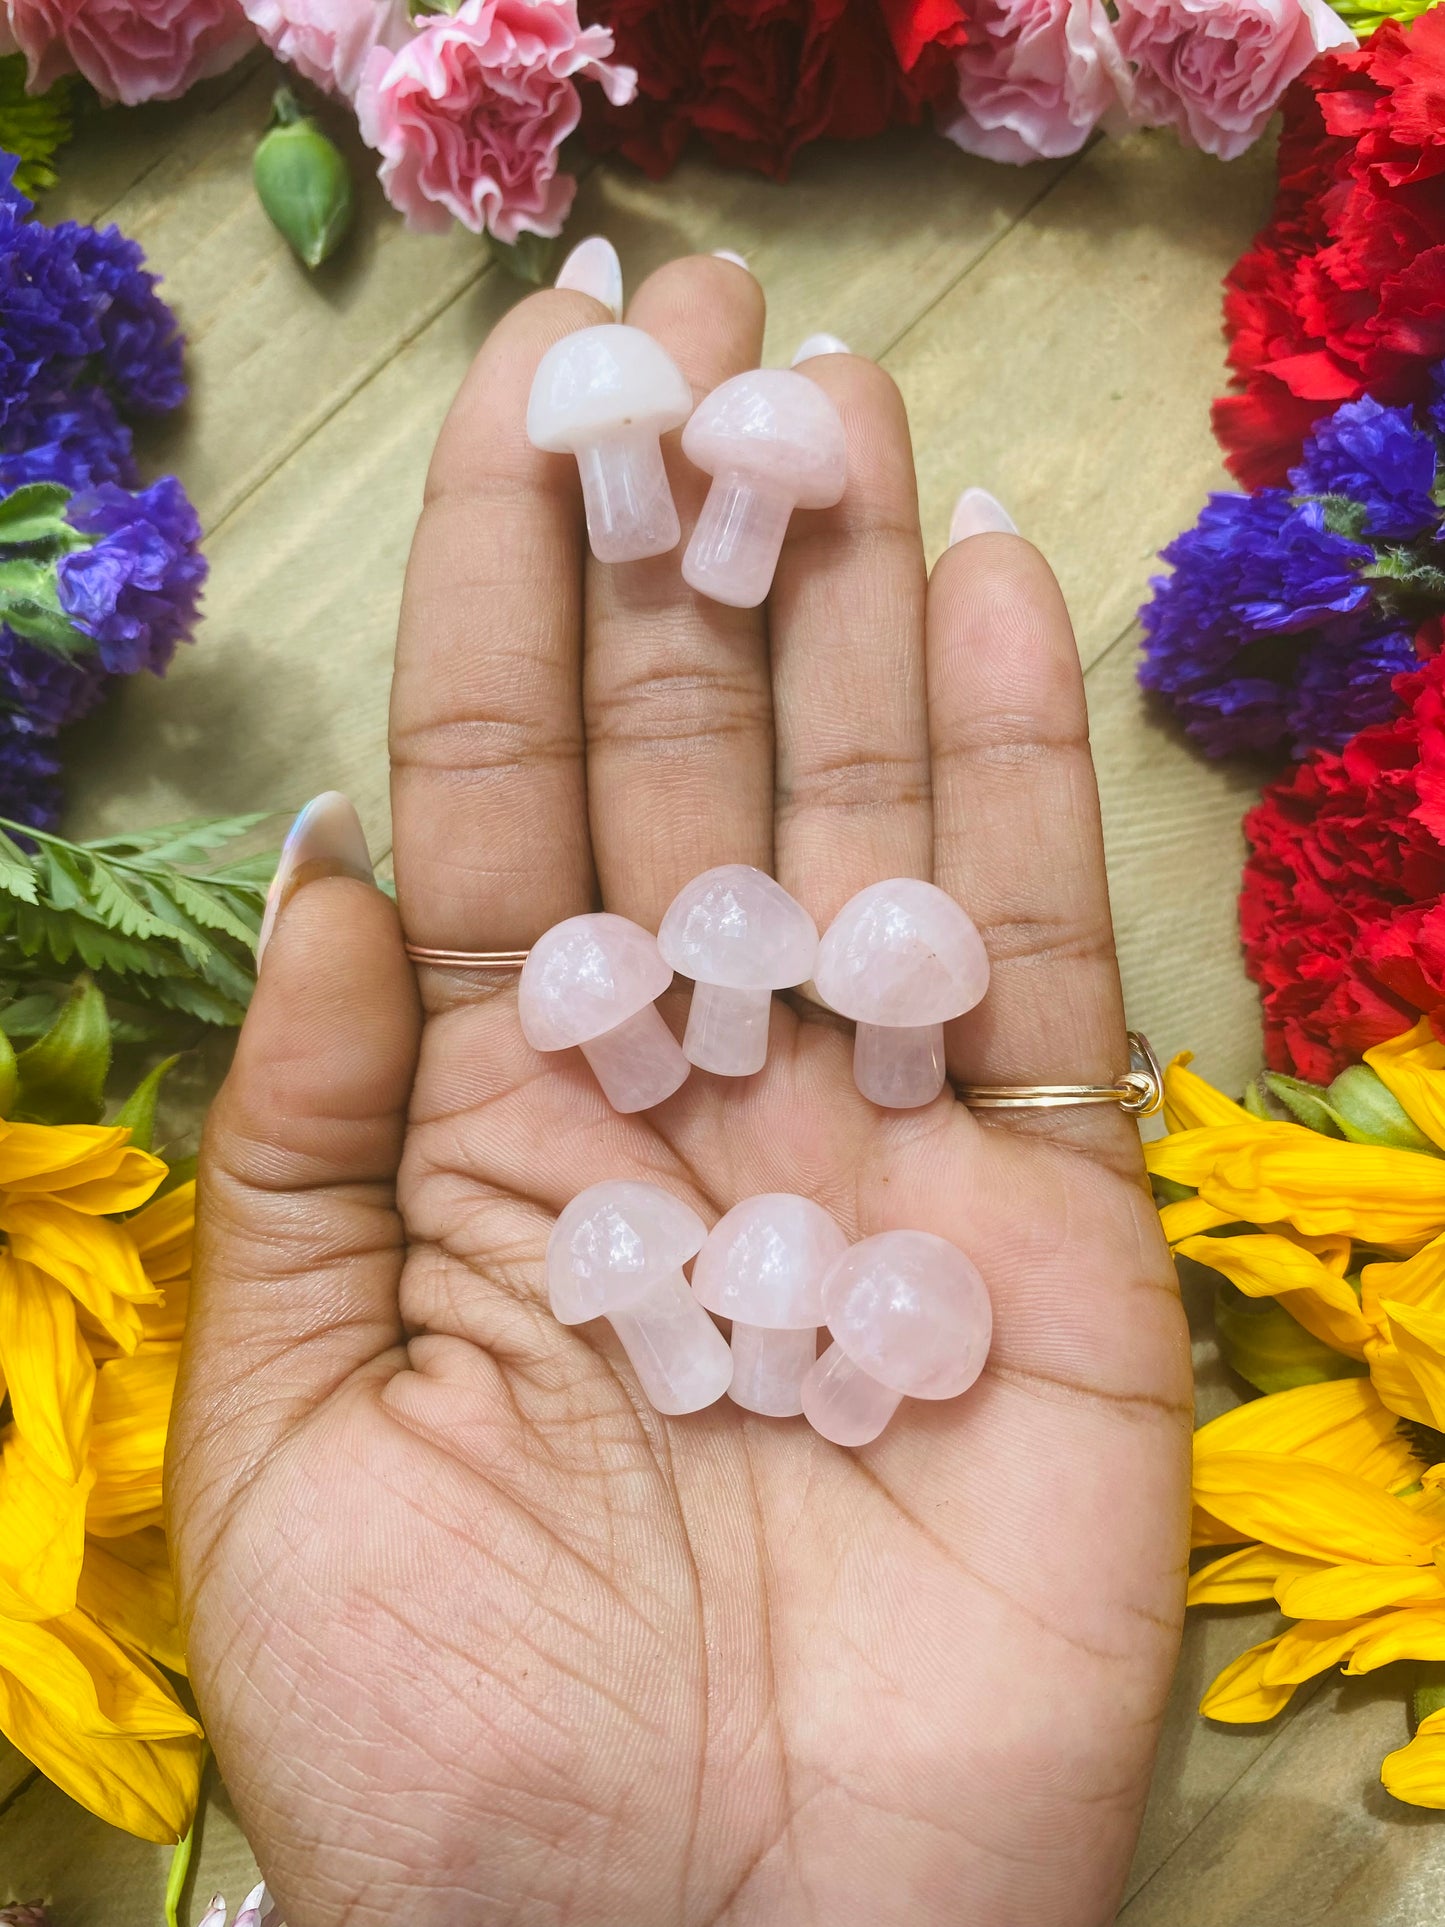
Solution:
(1035, 78)
(328, 41)
(129, 50)
(469, 115)
(1215, 69)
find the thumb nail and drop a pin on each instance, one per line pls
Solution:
(823, 344)
(976, 512)
(326, 840)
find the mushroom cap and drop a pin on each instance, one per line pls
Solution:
(736, 927)
(612, 1244)
(900, 954)
(775, 428)
(585, 977)
(602, 380)
(764, 1262)
(912, 1311)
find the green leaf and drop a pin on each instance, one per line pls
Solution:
(29, 1016)
(17, 873)
(1429, 1691)
(30, 604)
(189, 842)
(1368, 1112)
(139, 1110)
(35, 513)
(1270, 1349)
(32, 126)
(529, 257)
(1254, 1101)
(9, 1076)
(1308, 1104)
(62, 1075)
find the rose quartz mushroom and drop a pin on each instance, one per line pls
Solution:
(773, 442)
(591, 982)
(910, 1318)
(740, 937)
(901, 959)
(617, 1252)
(763, 1266)
(606, 395)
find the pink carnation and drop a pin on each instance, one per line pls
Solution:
(129, 50)
(469, 115)
(328, 41)
(1215, 69)
(1034, 79)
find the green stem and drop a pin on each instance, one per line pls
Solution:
(176, 1879)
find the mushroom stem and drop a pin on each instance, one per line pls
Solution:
(843, 1403)
(769, 1368)
(727, 1030)
(680, 1357)
(639, 1063)
(630, 512)
(735, 546)
(899, 1067)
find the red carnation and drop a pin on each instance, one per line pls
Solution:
(1343, 907)
(1344, 291)
(759, 79)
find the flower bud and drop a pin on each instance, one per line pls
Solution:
(303, 182)
(1368, 1112)
(1270, 1349)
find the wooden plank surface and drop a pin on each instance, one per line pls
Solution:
(1055, 333)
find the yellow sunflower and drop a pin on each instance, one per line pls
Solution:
(1333, 1491)
(91, 1307)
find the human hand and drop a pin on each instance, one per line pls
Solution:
(479, 1637)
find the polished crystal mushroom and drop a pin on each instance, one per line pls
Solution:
(740, 937)
(910, 1318)
(763, 1266)
(772, 442)
(606, 395)
(591, 982)
(617, 1252)
(901, 959)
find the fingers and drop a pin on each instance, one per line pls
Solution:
(488, 783)
(1016, 827)
(847, 622)
(299, 1246)
(678, 707)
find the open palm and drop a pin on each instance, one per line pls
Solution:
(478, 1637)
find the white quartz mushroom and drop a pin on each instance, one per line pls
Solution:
(607, 395)
(739, 936)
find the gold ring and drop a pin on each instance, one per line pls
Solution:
(1139, 1092)
(466, 959)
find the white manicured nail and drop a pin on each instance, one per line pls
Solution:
(326, 840)
(976, 512)
(593, 268)
(726, 254)
(819, 345)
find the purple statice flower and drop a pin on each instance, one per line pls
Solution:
(48, 320)
(136, 591)
(29, 776)
(42, 690)
(140, 342)
(69, 436)
(13, 204)
(1343, 687)
(1377, 457)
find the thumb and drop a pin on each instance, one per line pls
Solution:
(298, 1243)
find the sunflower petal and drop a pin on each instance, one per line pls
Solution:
(101, 1723)
(1411, 1634)
(1252, 1573)
(1187, 1217)
(47, 1368)
(1412, 1068)
(1305, 1507)
(76, 1249)
(94, 1167)
(126, 1587)
(1348, 1591)
(1189, 1101)
(1416, 1773)
(42, 1533)
(1241, 1695)
(1311, 1646)
(128, 1440)
(1419, 1338)
(1265, 1264)
(1341, 1423)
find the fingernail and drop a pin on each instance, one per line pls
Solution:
(326, 840)
(976, 512)
(738, 260)
(819, 345)
(593, 268)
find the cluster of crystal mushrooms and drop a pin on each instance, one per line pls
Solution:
(900, 960)
(771, 441)
(907, 1312)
